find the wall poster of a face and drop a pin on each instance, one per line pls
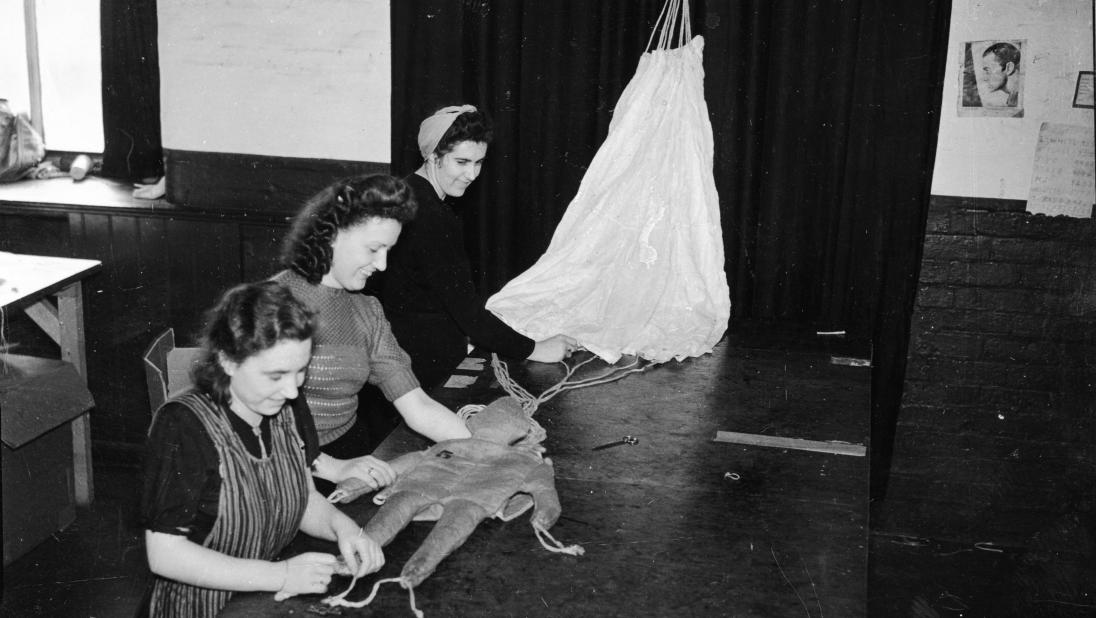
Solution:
(992, 79)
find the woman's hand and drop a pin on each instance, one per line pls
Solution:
(374, 472)
(308, 573)
(553, 349)
(428, 417)
(362, 554)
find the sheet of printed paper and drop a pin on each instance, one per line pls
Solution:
(1063, 175)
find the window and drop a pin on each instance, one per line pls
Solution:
(55, 73)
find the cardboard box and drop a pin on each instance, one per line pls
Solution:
(167, 368)
(39, 397)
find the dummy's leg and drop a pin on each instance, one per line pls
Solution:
(457, 522)
(394, 516)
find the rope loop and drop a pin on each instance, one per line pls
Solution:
(556, 546)
(339, 600)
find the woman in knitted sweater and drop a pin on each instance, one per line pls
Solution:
(340, 238)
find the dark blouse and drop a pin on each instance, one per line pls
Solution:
(429, 296)
(182, 482)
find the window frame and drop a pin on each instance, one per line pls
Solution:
(34, 72)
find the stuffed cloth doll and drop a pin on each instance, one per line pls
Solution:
(499, 471)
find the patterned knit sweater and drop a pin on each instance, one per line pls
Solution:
(353, 345)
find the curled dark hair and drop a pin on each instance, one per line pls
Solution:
(467, 127)
(249, 319)
(342, 205)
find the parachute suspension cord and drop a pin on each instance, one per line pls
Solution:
(530, 403)
(339, 600)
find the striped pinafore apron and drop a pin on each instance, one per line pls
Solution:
(262, 502)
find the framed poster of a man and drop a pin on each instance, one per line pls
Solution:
(992, 79)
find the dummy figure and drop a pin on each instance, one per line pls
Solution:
(461, 482)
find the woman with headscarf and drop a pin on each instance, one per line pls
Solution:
(428, 294)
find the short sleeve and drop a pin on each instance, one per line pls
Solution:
(181, 467)
(390, 367)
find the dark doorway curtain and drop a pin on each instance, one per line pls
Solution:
(131, 89)
(824, 115)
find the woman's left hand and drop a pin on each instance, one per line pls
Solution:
(553, 349)
(362, 554)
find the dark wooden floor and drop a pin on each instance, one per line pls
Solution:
(665, 533)
(784, 540)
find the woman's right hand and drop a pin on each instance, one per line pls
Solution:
(307, 573)
(553, 349)
(374, 472)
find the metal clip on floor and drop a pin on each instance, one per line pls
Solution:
(625, 440)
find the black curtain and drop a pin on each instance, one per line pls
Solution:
(131, 90)
(548, 73)
(824, 115)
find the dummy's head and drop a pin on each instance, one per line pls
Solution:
(504, 422)
(255, 329)
(342, 235)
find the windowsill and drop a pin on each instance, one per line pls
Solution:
(91, 191)
(93, 194)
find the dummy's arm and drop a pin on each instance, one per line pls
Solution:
(366, 467)
(541, 484)
(350, 489)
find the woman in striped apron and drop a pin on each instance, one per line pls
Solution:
(227, 483)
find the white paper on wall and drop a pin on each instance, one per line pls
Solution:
(1063, 176)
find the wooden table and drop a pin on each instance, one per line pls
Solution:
(28, 282)
(678, 524)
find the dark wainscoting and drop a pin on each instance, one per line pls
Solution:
(252, 183)
(162, 267)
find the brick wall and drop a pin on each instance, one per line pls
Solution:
(996, 433)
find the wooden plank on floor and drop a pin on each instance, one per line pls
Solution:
(834, 447)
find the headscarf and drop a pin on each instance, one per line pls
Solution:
(434, 127)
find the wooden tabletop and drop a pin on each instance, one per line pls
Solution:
(26, 279)
(677, 524)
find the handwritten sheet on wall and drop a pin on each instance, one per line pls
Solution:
(1063, 177)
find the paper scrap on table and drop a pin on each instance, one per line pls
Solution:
(459, 381)
(471, 364)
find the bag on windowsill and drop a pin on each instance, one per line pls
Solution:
(21, 147)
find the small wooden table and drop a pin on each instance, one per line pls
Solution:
(27, 282)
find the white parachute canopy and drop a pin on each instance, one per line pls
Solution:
(635, 266)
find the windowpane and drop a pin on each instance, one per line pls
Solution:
(13, 49)
(68, 57)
